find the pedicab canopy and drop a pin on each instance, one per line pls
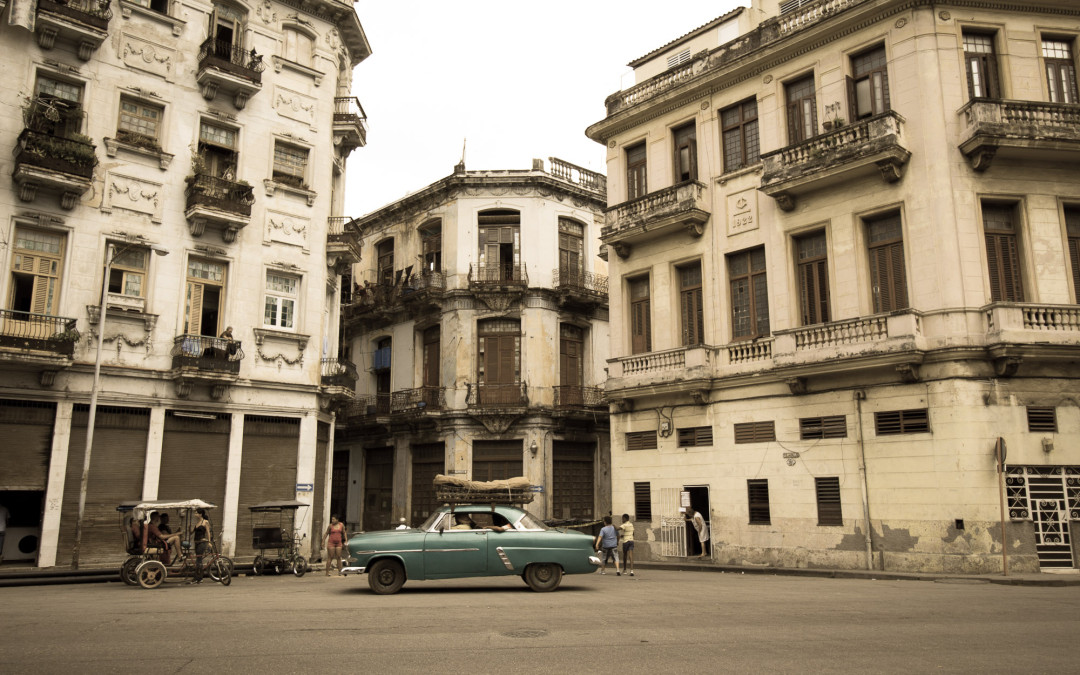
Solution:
(143, 509)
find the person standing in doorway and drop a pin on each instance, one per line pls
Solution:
(701, 527)
(626, 537)
(607, 542)
(333, 541)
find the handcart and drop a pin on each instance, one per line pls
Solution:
(149, 563)
(273, 529)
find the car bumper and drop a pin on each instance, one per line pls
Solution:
(360, 570)
(593, 560)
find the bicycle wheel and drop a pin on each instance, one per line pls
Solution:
(259, 566)
(219, 572)
(299, 566)
(127, 570)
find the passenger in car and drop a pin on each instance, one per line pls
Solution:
(465, 522)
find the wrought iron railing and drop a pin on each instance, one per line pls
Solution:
(498, 395)
(207, 353)
(498, 274)
(338, 373)
(223, 53)
(96, 13)
(347, 110)
(40, 332)
(56, 153)
(417, 400)
(207, 190)
(576, 396)
(580, 280)
(368, 406)
(425, 281)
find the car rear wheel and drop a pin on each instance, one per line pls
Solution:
(543, 577)
(386, 577)
(151, 574)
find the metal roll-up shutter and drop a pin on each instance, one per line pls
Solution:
(428, 460)
(117, 464)
(267, 470)
(27, 428)
(573, 480)
(195, 459)
(318, 526)
(497, 460)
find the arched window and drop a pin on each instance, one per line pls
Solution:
(299, 47)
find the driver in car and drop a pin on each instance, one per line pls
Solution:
(464, 522)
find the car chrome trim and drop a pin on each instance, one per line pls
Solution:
(504, 558)
(450, 550)
(345, 571)
(399, 550)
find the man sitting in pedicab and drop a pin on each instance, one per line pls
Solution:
(154, 538)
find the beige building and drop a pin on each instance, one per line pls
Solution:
(843, 244)
(479, 326)
(213, 132)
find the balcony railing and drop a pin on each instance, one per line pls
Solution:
(96, 13)
(417, 400)
(839, 333)
(670, 359)
(498, 395)
(368, 406)
(219, 193)
(341, 236)
(590, 180)
(1048, 323)
(209, 354)
(338, 373)
(1026, 129)
(38, 332)
(751, 351)
(225, 55)
(350, 120)
(681, 206)
(802, 14)
(56, 153)
(498, 274)
(579, 280)
(575, 396)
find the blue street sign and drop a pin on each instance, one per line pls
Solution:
(305, 487)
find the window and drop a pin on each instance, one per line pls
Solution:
(128, 273)
(755, 432)
(868, 88)
(35, 271)
(280, 306)
(57, 108)
(690, 304)
(159, 6)
(739, 128)
(1072, 232)
(757, 491)
(801, 109)
(695, 437)
(1060, 71)
(828, 501)
(1002, 252)
(813, 272)
(981, 64)
(571, 252)
(749, 294)
(813, 428)
(685, 152)
(571, 371)
(290, 165)
(431, 246)
(218, 151)
(499, 361)
(299, 47)
(640, 316)
(888, 283)
(635, 171)
(895, 422)
(227, 30)
(1042, 419)
(203, 297)
(642, 501)
(641, 440)
(500, 245)
(140, 123)
(384, 254)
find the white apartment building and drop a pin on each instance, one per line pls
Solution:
(844, 247)
(215, 134)
(478, 323)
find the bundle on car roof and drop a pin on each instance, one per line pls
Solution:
(453, 490)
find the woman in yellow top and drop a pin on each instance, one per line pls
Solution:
(626, 537)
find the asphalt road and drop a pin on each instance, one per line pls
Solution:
(656, 622)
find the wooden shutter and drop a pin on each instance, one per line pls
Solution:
(570, 371)
(814, 292)
(852, 99)
(641, 338)
(887, 278)
(693, 319)
(193, 314)
(828, 501)
(1003, 263)
(641, 440)
(1074, 261)
(755, 432)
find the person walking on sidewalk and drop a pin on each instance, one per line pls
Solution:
(626, 538)
(608, 543)
(333, 541)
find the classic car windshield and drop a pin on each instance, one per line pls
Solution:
(528, 522)
(431, 520)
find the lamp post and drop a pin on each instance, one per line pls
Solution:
(110, 258)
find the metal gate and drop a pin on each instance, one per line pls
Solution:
(1049, 496)
(267, 470)
(672, 523)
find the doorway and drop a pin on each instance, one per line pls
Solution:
(699, 501)
(23, 535)
(378, 488)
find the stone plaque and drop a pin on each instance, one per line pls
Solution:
(132, 194)
(146, 56)
(294, 105)
(742, 211)
(286, 228)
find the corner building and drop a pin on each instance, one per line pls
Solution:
(478, 324)
(215, 133)
(843, 241)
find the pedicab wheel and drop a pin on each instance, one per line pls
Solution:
(127, 570)
(151, 574)
(279, 567)
(543, 577)
(259, 566)
(386, 577)
(220, 573)
(299, 566)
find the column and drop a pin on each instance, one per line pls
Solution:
(154, 440)
(54, 492)
(305, 474)
(232, 485)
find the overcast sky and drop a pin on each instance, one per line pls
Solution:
(517, 80)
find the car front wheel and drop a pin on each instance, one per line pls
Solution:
(386, 577)
(543, 577)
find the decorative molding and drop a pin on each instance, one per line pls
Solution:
(1006, 366)
(767, 79)
(265, 11)
(261, 335)
(909, 372)
(700, 396)
(797, 385)
(133, 194)
(900, 23)
(146, 56)
(981, 158)
(496, 302)
(112, 145)
(295, 106)
(622, 249)
(785, 201)
(497, 423)
(286, 228)
(944, 15)
(127, 8)
(271, 186)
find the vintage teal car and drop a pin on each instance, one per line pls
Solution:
(477, 540)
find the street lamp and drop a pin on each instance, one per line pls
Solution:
(111, 255)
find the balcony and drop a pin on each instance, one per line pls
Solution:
(350, 124)
(497, 274)
(29, 336)
(82, 23)
(220, 202)
(338, 373)
(367, 408)
(61, 164)
(1025, 130)
(579, 287)
(867, 147)
(207, 360)
(661, 213)
(342, 243)
(1019, 331)
(576, 397)
(228, 69)
(494, 396)
(417, 401)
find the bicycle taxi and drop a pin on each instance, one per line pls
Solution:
(273, 528)
(150, 563)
